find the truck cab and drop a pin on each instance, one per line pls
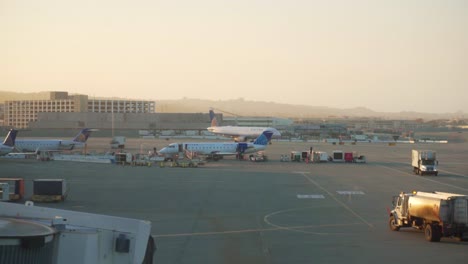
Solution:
(399, 212)
(428, 166)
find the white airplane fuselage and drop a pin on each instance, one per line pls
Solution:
(242, 133)
(214, 148)
(31, 145)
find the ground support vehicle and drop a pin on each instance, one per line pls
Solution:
(184, 163)
(260, 156)
(439, 214)
(424, 162)
(360, 159)
(118, 142)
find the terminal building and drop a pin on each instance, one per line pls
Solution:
(62, 113)
(20, 113)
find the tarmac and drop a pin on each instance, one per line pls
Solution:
(233, 211)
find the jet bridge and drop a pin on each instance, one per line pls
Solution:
(62, 236)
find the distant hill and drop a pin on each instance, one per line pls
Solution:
(241, 107)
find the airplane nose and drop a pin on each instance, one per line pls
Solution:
(163, 150)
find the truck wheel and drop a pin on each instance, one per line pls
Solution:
(432, 233)
(392, 223)
(436, 173)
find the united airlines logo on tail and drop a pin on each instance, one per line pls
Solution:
(263, 138)
(83, 135)
(214, 122)
(10, 138)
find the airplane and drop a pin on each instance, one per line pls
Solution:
(238, 133)
(9, 143)
(216, 150)
(36, 145)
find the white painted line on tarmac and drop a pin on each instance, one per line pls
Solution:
(298, 228)
(350, 192)
(339, 202)
(310, 196)
(257, 230)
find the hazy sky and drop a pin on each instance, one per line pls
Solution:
(392, 55)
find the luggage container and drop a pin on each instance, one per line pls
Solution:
(296, 156)
(4, 191)
(338, 156)
(16, 188)
(319, 156)
(348, 157)
(123, 158)
(49, 190)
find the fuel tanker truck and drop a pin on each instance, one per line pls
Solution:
(439, 214)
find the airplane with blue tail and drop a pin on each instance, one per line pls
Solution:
(238, 133)
(9, 143)
(216, 150)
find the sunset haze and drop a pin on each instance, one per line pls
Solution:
(384, 55)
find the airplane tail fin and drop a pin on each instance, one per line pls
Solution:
(10, 138)
(83, 135)
(213, 120)
(264, 138)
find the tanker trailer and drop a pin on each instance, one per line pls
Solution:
(439, 214)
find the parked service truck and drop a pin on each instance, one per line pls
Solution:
(118, 142)
(439, 214)
(424, 162)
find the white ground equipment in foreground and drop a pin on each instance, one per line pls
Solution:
(30, 234)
